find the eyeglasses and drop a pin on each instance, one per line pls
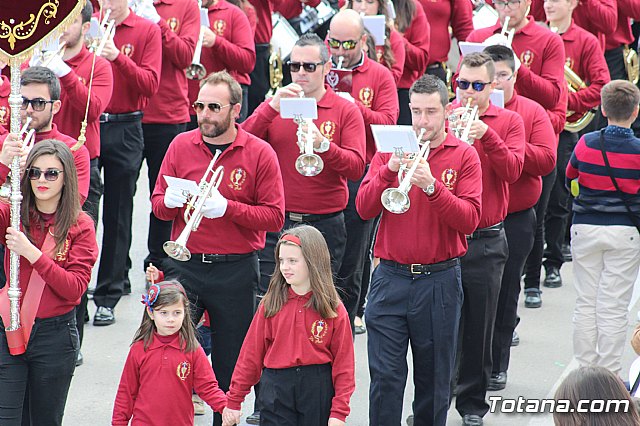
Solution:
(504, 77)
(308, 66)
(478, 86)
(365, 1)
(214, 107)
(38, 104)
(501, 4)
(346, 44)
(49, 174)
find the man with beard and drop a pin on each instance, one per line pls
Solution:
(222, 274)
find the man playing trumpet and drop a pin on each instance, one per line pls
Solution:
(420, 254)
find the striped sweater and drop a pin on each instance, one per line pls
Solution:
(598, 202)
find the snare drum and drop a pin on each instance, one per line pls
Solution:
(484, 16)
(284, 37)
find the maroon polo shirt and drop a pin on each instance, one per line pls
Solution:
(416, 44)
(263, 13)
(627, 10)
(396, 44)
(444, 13)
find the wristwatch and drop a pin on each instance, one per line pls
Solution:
(430, 189)
(324, 146)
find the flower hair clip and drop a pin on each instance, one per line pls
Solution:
(152, 295)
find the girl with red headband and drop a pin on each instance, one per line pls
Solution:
(299, 345)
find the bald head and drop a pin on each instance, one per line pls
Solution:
(347, 32)
(348, 20)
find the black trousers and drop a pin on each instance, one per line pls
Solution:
(122, 148)
(367, 269)
(520, 228)
(558, 208)
(405, 113)
(482, 269)
(259, 78)
(349, 278)
(157, 138)
(226, 290)
(437, 70)
(296, 396)
(34, 385)
(334, 232)
(534, 261)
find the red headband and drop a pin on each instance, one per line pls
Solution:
(292, 239)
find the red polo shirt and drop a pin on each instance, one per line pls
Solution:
(444, 13)
(74, 94)
(585, 58)
(292, 338)
(541, 76)
(627, 10)
(251, 183)
(450, 213)
(263, 27)
(180, 26)
(5, 111)
(136, 70)
(340, 121)
(292, 8)
(539, 153)
(396, 42)
(234, 49)
(416, 44)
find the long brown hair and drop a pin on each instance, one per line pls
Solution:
(69, 204)
(387, 54)
(324, 298)
(169, 293)
(595, 383)
(405, 11)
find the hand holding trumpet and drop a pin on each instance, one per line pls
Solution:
(303, 131)
(292, 90)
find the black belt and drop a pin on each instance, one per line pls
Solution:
(419, 268)
(489, 231)
(127, 116)
(217, 258)
(435, 65)
(304, 217)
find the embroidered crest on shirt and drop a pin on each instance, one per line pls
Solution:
(127, 50)
(449, 178)
(82, 80)
(3, 115)
(237, 178)
(61, 255)
(219, 26)
(366, 96)
(527, 58)
(318, 331)
(183, 370)
(328, 128)
(333, 79)
(173, 24)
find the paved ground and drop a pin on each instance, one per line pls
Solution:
(538, 364)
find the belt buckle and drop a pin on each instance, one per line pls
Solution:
(296, 217)
(413, 265)
(106, 117)
(205, 260)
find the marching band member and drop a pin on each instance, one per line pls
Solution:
(416, 293)
(57, 245)
(223, 272)
(500, 141)
(167, 113)
(227, 45)
(373, 92)
(412, 23)
(260, 74)
(134, 54)
(392, 54)
(621, 37)
(520, 222)
(339, 140)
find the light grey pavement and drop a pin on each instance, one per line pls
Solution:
(537, 365)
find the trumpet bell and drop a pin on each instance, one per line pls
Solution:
(196, 72)
(309, 164)
(176, 251)
(395, 200)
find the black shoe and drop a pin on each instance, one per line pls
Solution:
(104, 316)
(498, 381)
(86, 316)
(553, 278)
(254, 419)
(410, 420)
(79, 359)
(471, 420)
(566, 253)
(515, 339)
(532, 298)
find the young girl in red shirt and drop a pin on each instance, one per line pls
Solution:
(299, 342)
(165, 364)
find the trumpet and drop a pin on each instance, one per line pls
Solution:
(44, 58)
(197, 71)
(193, 213)
(506, 32)
(396, 200)
(463, 124)
(308, 163)
(106, 31)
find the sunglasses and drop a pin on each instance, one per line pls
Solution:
(49, 174)
(213, 106)
(308, 66)
(478, 86)
(37, 104)
(346, 44)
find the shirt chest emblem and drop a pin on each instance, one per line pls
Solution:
(366, 96)
(449, 178)
(319, 329)
(237, 178)
(219, 26)
(174, 24)
(527, 58)
(328, 128)
(183, 370)
(127, 50)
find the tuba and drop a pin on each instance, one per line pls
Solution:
(631, 64)
(193, 213)
(197, 71)
(396, 200)
(575, 83)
